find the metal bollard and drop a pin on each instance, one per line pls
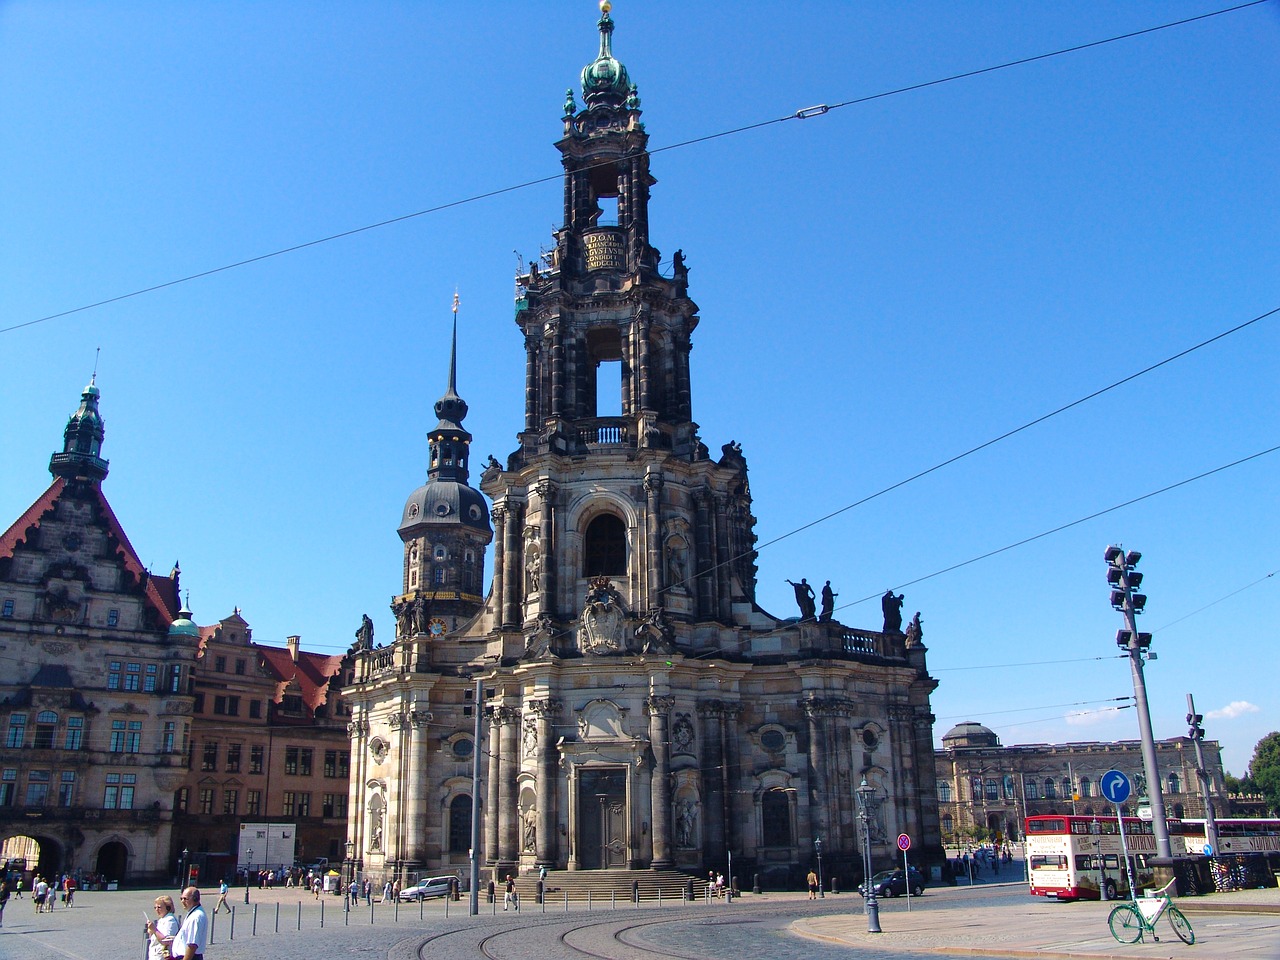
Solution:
(688, 891)
(233, 916)
(395, 910)
(232, 934)
(566, 901)
(277, 916)
(213, 925)
(659, 896)
(299, 914)
(371, 913)
(588, 901)
(346, 911)
(253, 931)
(755, 883)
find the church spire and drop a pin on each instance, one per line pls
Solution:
(604, 80)
(449, 441)
(82, 441)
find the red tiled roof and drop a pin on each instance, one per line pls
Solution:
(17, 532)
(312, 671)
(161, 593)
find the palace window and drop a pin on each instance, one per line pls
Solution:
(74, 738)
(240, 665)
(67, 788)
(220, 664)
(113, 618)
(1031, 788)
(167, 736)
(1086, 788)
(1175, 784)
(233, 758)
(291, 761)
(993, 790)
(209, 762)
(255, 709)
(304, 762)
(206, 800)
(297, 804)
(230, 801)
(8, 609)
(334, 806)
(133, 676)
(605, 549)
(17, 730)
(948, 825)
(253, 803)
(255, 759)
(1050, 789)
(181, 798)
(8, 778)
(944, 791)
(46, 727)
(37, 788)
(150, 678)
(113, 674)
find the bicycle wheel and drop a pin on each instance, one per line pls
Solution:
(1181, 926)
(1126, 923)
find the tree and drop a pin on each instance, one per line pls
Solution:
(1264, 769)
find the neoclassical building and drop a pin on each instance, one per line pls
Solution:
(640, 709)
(983, 784)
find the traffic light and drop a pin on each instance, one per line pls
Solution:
(1196, 732)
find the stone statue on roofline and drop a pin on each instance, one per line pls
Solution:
(891, 604)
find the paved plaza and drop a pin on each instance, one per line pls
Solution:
(993, 920)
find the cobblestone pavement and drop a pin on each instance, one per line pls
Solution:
(987, 920)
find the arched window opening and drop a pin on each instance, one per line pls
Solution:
(460, 823)
(944, 791)
(1050, 789)
(775, 819)
(605, 553)
(1175, 784)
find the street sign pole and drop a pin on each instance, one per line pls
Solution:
(904, 844)
(1115, 786)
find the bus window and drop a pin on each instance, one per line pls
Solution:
(1111, 862)
(1049, 862)
(1085, 861)
(1047, 826)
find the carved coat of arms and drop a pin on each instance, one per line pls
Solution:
(602, 629)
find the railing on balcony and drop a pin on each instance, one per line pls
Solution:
(865, 643)
(605, 432)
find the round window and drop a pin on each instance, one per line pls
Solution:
(869, 738)
(462, 748)
(773, 741)
(476, 512)
(413, 510)
(442, 509)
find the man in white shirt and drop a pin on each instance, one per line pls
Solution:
(193, 935)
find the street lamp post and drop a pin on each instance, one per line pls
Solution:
(182, 870)
(865, 793)
(817, 848)
(351, 870)
(249, 854)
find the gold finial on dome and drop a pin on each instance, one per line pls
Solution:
(605, 7)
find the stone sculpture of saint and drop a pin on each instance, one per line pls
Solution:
(828, 602)
(804, 598)
(891, 604)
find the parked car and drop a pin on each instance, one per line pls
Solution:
(426, 889)
(893, 883)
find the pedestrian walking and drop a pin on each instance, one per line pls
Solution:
(68, 889)
(510, 897)
(368, 892)
(813, 885)
(4, 898)
(162, 930)
(18, 888)
(386, 891)
(38, 893)
(192, 938)
(222, 898)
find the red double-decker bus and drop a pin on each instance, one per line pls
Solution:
(1080, 857)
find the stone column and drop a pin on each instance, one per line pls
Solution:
(499, 514)
(704, 555)
(645, 374)
(531, 344)
(546, 491)
(729, 772)
(513, 578)
(724, 587)
(683, 347)
(358, 731)
(659, 712)
(413, 795)
(653, 533)
(508, 798)
(492, 805)
(712, 783)
(557, 368)
(545, 711)
(815, 711)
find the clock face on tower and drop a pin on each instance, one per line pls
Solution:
(436, 627)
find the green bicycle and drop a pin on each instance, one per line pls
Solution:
(1129, 921)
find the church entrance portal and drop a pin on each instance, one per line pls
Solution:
(112, 862)
(602, 818)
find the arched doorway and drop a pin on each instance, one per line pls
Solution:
(112, 862)
(41, 854)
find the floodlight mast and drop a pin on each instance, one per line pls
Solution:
(1123, 579)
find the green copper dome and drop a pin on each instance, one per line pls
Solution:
(605, 80)
(184, 626)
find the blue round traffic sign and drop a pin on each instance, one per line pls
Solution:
(1208, 849)
(1115, 786)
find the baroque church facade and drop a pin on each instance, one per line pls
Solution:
(640, 710)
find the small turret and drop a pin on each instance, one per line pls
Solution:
(81, 458)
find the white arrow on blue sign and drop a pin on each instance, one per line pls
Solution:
(1115, 786)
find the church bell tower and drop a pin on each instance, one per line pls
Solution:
(611, 483)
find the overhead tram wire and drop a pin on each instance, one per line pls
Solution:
(1046, 533)
(1039, 706)
(802, 114)
(1247, 586)
(1034, 663)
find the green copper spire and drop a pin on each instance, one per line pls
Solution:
(604, 80)
(82, 441)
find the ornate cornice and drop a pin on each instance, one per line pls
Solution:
(545, 709)
(814, 707)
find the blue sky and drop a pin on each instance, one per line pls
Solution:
(881, 288)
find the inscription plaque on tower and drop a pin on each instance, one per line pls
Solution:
(605, 250)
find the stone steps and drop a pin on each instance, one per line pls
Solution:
(610, 885)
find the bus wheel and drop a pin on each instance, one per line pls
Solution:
(1110, 890)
